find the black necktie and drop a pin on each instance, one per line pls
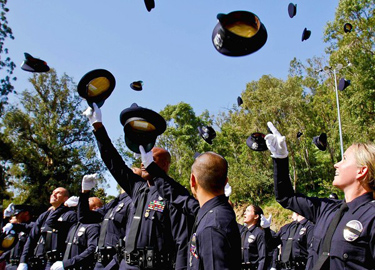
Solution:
(285, 256)
(326, 247)
(131, 240)
(104, 224)
(70, 241)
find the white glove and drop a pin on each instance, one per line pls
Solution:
(72, 201)
(265, 223)
(276, 143)
(57, 266)
(7, 228)
(22, 266)
(9, 211)
(272, 268)
(89, 181)
(147, 158)
(227, 190)
(94, 115)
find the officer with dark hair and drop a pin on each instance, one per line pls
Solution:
(215, 242)
(157, 237)
(46, 242)
(20, 224)
(113, 217)
(81, 242)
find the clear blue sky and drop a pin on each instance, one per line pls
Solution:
(169, 48)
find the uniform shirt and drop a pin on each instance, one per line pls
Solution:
(215, 242)
(162, 227)
(84, 243)
(272, 254)
(58, 222)
(302, 240)
(353, 242)
(253, 246)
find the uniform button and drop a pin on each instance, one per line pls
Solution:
(345, 255)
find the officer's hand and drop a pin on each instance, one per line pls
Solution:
(7, 228)
(72, 201)
(9, 211)
(147, 158)
(273, 268)
(22, 266)
(265, 223)
(94, 115)
(276, 143)
(227, 190)
(89, 181)
(57, 266)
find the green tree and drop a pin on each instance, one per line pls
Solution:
(49, 143)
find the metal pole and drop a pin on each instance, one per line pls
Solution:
(338, 114)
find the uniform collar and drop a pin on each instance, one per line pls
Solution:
(211, 204)
(359, 201)
(303, 222)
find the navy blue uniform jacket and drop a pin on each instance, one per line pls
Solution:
(253, 246)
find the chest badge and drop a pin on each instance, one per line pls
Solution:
(81, 231)
(302, 231)
(352, 230)
(251, 238)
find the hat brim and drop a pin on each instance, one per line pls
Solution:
(256, 142)
(318, 144)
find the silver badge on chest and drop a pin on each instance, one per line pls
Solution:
(302, 231)
(251, 238)
(352, 230)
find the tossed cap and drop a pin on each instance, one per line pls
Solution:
(257, 142)
(96, 86)
(306, 34)
(137, 85)
(207, 133)
(343, 84)
(238, 33)
(321, 141)
(18, 208)
(348, 27)
(32, 64)
(141, 127)
(299, 134)
(239, 101)
(150, 4)
(292, 10)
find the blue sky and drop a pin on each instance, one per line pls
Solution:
(169, 48)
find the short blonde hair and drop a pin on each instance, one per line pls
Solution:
(365, 156)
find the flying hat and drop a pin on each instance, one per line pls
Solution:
(257, 142)
(141, 127)
(306, 34)
(348, 28)
(137, 86)
(96, 86)
(18, 208)
(299, 134)
(207, 133)
(8, 240)
(321, 141)
(343, 84)
(239, 101)
(150, 4)
(238, 33)
(333, 196)
(33, 64)
(292, 10)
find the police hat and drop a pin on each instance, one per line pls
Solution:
(343, 84)
(348, 28)
(299, 134)
(333, 196)
(96, 86)
(292, 10)
(239, 101)
(34, 64)
(306, 34)
(238, 33)
(137, 86)
(207, 133)
(8, 240)
(18, 208)
(257, 142)
(321, 141)
(141, 127)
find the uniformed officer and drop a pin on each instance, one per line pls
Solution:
(81, 242)
(215, 242)
(22, 225)
(253, 239)
(295, 239)
(158, 235)
(46, 242)
(344, 232)
(113, 217)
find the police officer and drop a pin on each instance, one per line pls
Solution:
(344, 232)
(253, 239)
(295, 239)
(82, 241)
(215, 242)
(113, 217)
(158, 236)
(46, 241)
(22, 225)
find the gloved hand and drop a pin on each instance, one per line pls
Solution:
(22, 266)
(7, 228)
(147, 158)
(89, 181)
(276, 143)
(265, 223)
(273, 268)
(9, 211)
(94, 115)
(57, 266)
(227, 190)
(72, 201)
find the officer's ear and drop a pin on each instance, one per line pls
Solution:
(193, 180)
